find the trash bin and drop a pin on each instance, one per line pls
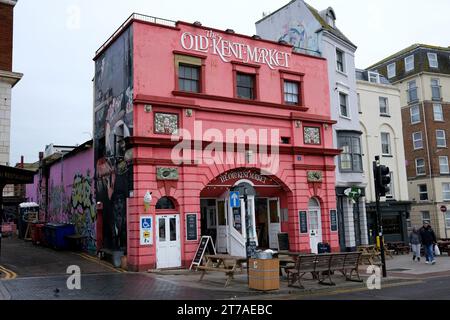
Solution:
(264, 275)
(37, 233)
(55, 235)
(323, 248)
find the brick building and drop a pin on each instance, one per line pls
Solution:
(422, 73)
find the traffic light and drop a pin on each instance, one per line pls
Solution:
(382, 180)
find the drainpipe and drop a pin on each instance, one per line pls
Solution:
(433, 191)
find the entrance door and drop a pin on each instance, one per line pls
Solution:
(222, 227)
(274, 223)
(315, 225)
(237, 238)
(168, 247)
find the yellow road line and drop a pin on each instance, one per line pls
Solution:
(9, 274)
(96, 260)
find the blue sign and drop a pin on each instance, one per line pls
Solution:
(146, 223)
(235, 200)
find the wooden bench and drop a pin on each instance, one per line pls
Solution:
(222, 263)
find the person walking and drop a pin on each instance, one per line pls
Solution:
(415, 240)
(429, 240)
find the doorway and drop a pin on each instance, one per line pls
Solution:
(315, 224)
(168, 246)
(268, 226)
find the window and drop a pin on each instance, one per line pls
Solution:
(435, 90)
(437, 112)
(426, 217)
(409, 63)
(417, 140)
(245, 86)
(446, 191)
(189, 78)
(340, 60)
(443, 165)
(415, 114)
(412, 91)
(350, 158)
(420, 167)
(165, 203)
(386, 143)
(447, 220)
(384, 106)
(433, 60)
(374, 77)
(343, 103)
(440, 139)
(391, 70)
(423, 193)
(359, 103)
(291, 92)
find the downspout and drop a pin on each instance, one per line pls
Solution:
(433, 191)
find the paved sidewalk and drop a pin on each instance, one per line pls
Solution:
(403, 266)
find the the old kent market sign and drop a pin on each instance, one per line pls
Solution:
(228, 50)
(230, 178)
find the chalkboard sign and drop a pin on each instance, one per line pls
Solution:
(303, 215)
(251, 249)
(333, 219)
(191, 227)
(283, 241)
(206, 244)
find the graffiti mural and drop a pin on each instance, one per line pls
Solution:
(113, 123)
(58, 204)
(300, 36)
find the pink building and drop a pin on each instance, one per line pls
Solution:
(191, 115)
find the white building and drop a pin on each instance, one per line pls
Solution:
(381, 124)
(316, 33)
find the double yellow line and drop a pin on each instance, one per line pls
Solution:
(100, 262)
(9, 275)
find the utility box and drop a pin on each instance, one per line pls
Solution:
(264, 275)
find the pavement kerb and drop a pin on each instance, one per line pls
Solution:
(4, 294)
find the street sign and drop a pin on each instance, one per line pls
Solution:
(443, 209)
(235, 200)
(146, 231)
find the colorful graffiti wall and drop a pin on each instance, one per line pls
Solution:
(70, 197)
(114, 122)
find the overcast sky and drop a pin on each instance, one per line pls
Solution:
(53, 102)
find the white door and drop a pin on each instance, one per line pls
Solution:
(222, 227)
(274, 222)
(315, 224)
(168, 246)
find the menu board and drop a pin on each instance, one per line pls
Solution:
(303, 215)
(251, 249)
(333, 219)
(191, 227)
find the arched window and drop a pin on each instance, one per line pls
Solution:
(165, 204)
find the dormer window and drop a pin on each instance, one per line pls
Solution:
(330, 21)
(331, 17)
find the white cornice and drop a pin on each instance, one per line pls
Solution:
(9, 2)
(10, 77)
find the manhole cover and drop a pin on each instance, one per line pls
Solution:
(399, 269)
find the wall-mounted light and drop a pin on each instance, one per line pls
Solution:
(189, 113)
(298, 124)
(326, 126)
(148, 108)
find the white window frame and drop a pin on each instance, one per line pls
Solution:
(443, 165)
(446, 191)
(374, 74)
(441, 138)
(426, 218)
(409, 90)
(447, 220)
(344, 67)
(388, 136)
(432, 57)
(416, 107)
(438, 86)
(409, 66)
(420, 192)
(391, 69)
(417, 140)
(387, 106)
(437, 110)
(346, 104)
(423, 166)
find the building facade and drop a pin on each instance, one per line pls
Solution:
(422, 73)
(64, 189)
(381, 124)
(316, 33)
(8, 79)
(187, 115)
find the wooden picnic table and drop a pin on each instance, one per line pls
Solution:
(369, 254)
(444, 246)
(399, 247)
(222, 263)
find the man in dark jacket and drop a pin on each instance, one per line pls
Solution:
(429, 240)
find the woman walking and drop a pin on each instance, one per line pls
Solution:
(415, 240)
